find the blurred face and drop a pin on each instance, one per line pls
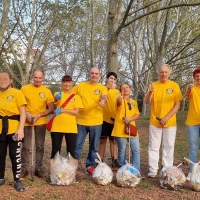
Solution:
(164, 73)
(38, 78)
(94, 75)
(5, 81)
(197, 78)
(111, 82)
(125, 90)
(66, 85)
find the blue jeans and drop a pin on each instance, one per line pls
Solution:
(135, 149)
(94, 137)
(193, 138)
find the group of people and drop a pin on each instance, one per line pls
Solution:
(94, 109)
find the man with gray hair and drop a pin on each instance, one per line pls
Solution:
(164, 96)
(39, 105)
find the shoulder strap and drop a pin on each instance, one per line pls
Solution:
(124, 106)
(67, 101)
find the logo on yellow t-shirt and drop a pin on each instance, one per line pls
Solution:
(97, 92)
(10, 98)
(72, 100)
(169, 91)
(42, 95)
(132, 106)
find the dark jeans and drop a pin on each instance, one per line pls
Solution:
(39, 132)
(56, 139)
(14, 154)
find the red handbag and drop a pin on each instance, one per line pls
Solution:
(49, 124)
(133, 129)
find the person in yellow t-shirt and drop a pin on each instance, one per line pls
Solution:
(193, 118)
(109, 113)
(164, 96)
(12, 119)
(90, 119)
(64, 124)
(127, 112)
(39, 105)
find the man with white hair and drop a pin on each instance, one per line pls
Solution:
(164, 96)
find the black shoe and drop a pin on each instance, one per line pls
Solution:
(2, 181)
(18, 186)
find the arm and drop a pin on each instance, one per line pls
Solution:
(174, 110)
(103, 100)
(47, 112)
(133, 118)
(20, 131)
(71, 112)
(148, 96)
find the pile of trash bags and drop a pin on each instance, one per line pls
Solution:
(102, 174)
(172, 178)
(128, 176)
(63, 170)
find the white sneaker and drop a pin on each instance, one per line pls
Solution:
(188, 177)
(152, 174)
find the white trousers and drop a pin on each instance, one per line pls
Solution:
(167, 136)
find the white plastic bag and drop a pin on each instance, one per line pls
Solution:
(102, 174)
(195, 177)
(172, 178)
(63, 170)
(128, 176)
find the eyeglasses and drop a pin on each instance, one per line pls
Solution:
(129, 106)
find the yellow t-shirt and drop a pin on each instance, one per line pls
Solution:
(193, 116)
(10, 102)
(37, 99)
(90, 94)
(109, 110)
(163, 99)
(119, 125)
(66, 123)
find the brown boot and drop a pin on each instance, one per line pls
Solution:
(39, 173)
(24, 173)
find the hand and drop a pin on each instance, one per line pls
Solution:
(190, 86)
(120, 98)
(59, 95)
(151, 87)
(36, 117)
(58, 111)
(127, 120)
(102, 102)
(20, 134)
(28, 117)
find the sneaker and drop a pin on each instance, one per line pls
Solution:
(18, 186)
(152, 174)
(188, 177)
(90, 170)
(24, 173)
(114, 165)
(2, 181)
(39, 173)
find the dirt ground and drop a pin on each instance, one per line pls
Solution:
(149, 189)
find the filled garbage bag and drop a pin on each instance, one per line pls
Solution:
(102, 174)
(63, 170)
(172, 178)
(128, 176)
(195, 177)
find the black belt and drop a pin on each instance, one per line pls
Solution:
(5, 119)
